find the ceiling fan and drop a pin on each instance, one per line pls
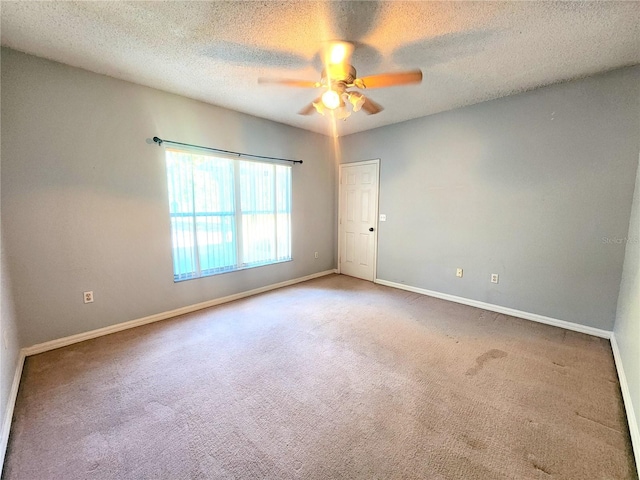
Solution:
(338, 76)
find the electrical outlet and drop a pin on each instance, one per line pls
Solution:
(459, 272)
(88, 297)
(315, 255)
(494, 278)
(383, 217)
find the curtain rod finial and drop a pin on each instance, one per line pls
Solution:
(157, 140)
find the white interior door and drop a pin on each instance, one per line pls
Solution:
(358, 219)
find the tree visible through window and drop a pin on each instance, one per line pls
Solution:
(226, 214)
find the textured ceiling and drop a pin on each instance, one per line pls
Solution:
(215, 51)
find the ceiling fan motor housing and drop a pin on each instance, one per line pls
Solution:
(335, 73)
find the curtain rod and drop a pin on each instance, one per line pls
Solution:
(160, 141)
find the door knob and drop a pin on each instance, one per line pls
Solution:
(371, 229)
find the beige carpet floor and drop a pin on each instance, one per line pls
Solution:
(332, 378)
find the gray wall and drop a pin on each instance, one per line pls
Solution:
(9, 353)
(530, 186)
(627, 327)
(84, 196)
(9, 344)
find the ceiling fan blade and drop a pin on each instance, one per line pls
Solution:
(371, 107)
(289, 82)
(309, 109)
(390, 79)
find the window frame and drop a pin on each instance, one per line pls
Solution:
(236, 214)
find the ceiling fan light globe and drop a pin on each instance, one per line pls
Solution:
(319, 107)
(342, 113)
(331, 99)
(357, 100)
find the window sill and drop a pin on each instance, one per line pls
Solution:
(222, 272)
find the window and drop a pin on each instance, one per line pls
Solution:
(226, 214)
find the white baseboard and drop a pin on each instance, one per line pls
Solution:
(11, 403)
(576, 327)
(634, 431)
(80, 337)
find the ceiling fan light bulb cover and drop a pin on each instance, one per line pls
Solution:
(331, 99)
(319, 107)
(342, 113)
(357, 100)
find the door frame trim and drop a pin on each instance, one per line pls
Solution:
(375, 161)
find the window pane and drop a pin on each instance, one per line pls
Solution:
(215, 213)
(180, 183)
(258, 238)
(184, 260)
(216, 243)
(213, 184)
(257, 193)
(204, 195)
(283, 208)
